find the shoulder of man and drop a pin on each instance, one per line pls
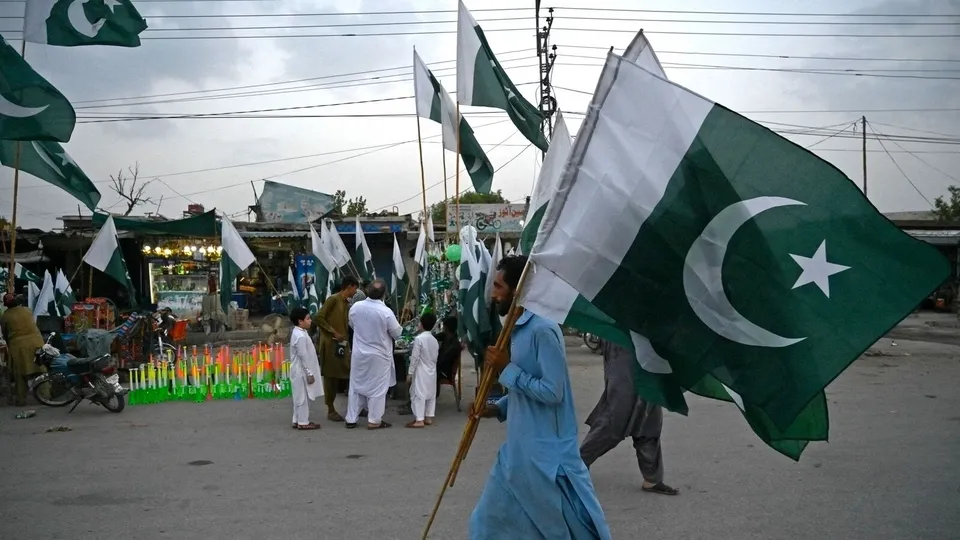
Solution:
(543, 327)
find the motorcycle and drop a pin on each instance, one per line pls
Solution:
(487, 220)
(71, 380)
(592, 342)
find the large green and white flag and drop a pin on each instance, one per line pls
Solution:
(72, 23)
(105, 255)
(64, 294)
(48, 161)
(422, 257)
(547, 182)
(724, 249)
(236, 257)
(362, 258)
(473, 313)
(482, 81)
(495, 256)
(434, 103)
(312, 301)
(31, 109)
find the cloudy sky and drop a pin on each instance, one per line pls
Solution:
(806, 86)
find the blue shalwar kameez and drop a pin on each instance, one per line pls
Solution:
(539, 486)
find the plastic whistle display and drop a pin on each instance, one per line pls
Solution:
(261, 372)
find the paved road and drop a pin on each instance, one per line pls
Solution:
(236, 470)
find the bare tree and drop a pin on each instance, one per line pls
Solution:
(130, 187)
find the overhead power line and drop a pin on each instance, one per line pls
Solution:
(561, 29)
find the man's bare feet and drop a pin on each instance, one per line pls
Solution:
(414, 424)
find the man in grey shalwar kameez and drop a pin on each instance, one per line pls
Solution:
(621, 413)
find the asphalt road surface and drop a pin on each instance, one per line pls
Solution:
(237, 470)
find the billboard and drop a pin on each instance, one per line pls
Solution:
(280, 203)
(488, 218)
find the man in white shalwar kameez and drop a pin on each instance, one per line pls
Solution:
(304, 369)
(375, 328)
(422, 375)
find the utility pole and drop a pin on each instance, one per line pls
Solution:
(547, 56)
(863, 129)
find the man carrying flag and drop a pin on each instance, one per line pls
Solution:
(539, 486)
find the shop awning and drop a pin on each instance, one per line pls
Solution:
(949, 237)
(204, 225)
(274, 234)
(27, 257)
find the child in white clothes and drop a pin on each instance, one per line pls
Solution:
(422, 375)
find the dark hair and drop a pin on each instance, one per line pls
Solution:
(298, 314)
(377, 289)
(450, 324)
(348, 281)
(512, 268)
(428, 321)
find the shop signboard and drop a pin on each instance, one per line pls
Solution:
(280, 203)
(488, 218)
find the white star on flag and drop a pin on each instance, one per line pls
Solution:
(65, 159)
(817, 270)
(112, 4)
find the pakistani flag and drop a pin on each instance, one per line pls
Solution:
(236, 257)
(48, 161)
(547, 183)
(312, 300)
(105, 255)
(63, 293)
(421, 255)
(46, 302)
(293, 300)
(73, 23)
(434, 103)
(19, 272)
(325, 266)
(31, 109)
(482, 82)
(334, 244)
(33, 293)
(473, 315)
(729, 255)
(399, 282)
(362, 258)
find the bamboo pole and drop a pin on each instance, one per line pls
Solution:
(457, 169)
(16, 195)
(486, 382)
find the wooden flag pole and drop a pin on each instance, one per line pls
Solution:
(457, 169)
(486, 382)
(16, 195)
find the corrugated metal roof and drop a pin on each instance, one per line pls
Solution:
(950, 237)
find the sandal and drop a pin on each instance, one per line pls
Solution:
(381, 425)
(334, 417)
(661, 489)
(414, 425)
(309, 426)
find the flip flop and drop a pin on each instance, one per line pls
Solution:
(413, 425)
(307, 427)
(661, 489)
(382, 425)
